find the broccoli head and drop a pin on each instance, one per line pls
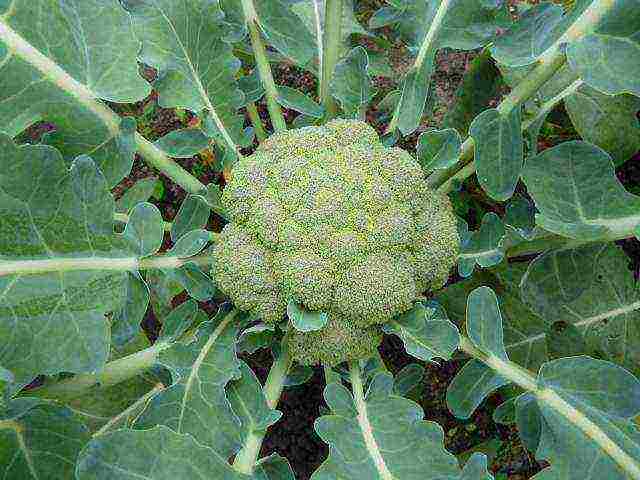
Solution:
(331, 219)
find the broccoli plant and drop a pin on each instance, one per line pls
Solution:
(334, 217)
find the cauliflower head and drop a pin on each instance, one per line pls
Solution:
(330, 218)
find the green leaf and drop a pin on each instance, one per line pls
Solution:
(273, 467)
(520, 217)
(305, 320)
(83, 40)
(476, 468)
(483, 247)
(415, 92)
(351, 83)
(484, 322)
(195, 281)
(145, 229)
(126, 321)
(158, 453)
(426, 332)
(39, 440)
(499, 153)
(285, 31)
(193, 215)
(180, 320)
(251, 86)
(578, 196)
(55, 321)
(291, 98)
(438, 149)
(196, 403)
(603, 385)
(183, 143)
(609, 122)
(249, 404)
(141, 191)
(254, 338)
(190, 243)
(395, 427)
(408, 379)
(196, 71)
(608, 63)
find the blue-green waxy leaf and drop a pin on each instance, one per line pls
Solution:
(528, 420)
(380, 447)
(610, 122)
(578, 196)
(251, 86)
(39, 440)
(254, 338)
(183, 143)
(193, 215)
(476, 468)
(159, 453)
(190, 243)
(295, 100)
(408, 379)
(415, 92)
(608, 63)
(339, 400)
(101, 31)
(179, 321)
(55, 321)
(438, 149)
(520, 217)
(305, 320)
(351, 83)
(484, 322)
(196, 403)
(426, 332)
(273, 467)
(126, 321)
(141, 191)
(197, 69)
(483, 247)
(499, 153)
(145, 229)
(298, 375)
(603, 385)
(471, 386)
(195, 281)
(285, 31)
(249, 404)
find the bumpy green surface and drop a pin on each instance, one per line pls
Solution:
(330, 218)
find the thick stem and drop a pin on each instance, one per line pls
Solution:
(52, 73)
(332, 46)
(258, 127)
(36, 267)
(247, 457)
(264, 69)
(373, 449)
(550, 398)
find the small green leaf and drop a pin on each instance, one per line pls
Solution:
(305, 320)
(183, 143)
(193, 215)
(607, 63)
(145, 229)
(273, 467)
(498, 151)
(425, 331)
(180, 320)
(195, 281)
(126, 321)
(254, 338)
(483, 247)
(415, 92)
(190, 244)
(251, 86)
(141, 191)
(291, 98)
(520, 217)
(351, 83)
(476, 468)
(438, 149)
(484, 322)
(408, 379)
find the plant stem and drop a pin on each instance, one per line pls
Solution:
(330, 376)
(247, 457)
(36, 267)
(373, 449)
(332, 46)
(52, 73)
(258, 127)
(547, 66)
(264, 69)
(527, 381)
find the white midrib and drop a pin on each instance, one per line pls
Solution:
(196, 366)
(434, 28)
(584, 323)
(201, 90)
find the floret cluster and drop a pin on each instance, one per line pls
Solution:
(331, 219)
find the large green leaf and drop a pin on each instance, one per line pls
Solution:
(351, 83)
(197, 403)
(610, 122)
(39, 440)
(158, 454)
(56, 59)
(55, 321)
(392, 440)
(578, 196)
(185, 41)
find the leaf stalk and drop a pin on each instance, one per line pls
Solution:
(332, 46)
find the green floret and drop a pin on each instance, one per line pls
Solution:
(331, 219)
